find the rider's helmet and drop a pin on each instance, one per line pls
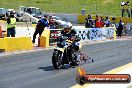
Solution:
(67, 27)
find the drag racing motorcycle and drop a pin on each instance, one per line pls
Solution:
(67, 52)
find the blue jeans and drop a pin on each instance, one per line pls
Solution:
(11, 32)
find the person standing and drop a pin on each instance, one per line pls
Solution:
(107, 22)
(97, 22)
(120, 28)
(113, 22)
(89, 22)
(102, 22)
(126, 27)
(11, 25)
(42, 23)
(51, 23)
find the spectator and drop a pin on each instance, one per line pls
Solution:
(102, 22)
(126, 27)
(42, 23)
(120, 28)
(51, 23)
(107, 22)
(113, 23)
(11, 25)
(97, 22)
(89, 22)
(113, 20)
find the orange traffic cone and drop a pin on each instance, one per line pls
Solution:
(0, 32)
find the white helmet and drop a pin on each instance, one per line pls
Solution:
(67, 25)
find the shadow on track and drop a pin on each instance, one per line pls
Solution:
(47, 68)
(51, 68)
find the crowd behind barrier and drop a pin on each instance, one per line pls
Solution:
(81, 19)
(121, 27)
(99, 22)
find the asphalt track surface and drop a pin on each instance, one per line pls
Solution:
(34, 69)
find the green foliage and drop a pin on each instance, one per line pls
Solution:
(101, 7)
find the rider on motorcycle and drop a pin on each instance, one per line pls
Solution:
(71, 35)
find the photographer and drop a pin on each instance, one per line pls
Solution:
(125, 8)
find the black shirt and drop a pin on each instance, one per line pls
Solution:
(70, 34)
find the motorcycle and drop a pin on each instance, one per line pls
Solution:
(66, 52)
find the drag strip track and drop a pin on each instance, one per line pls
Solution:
(34, 70)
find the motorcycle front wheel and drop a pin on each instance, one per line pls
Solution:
(57, 59)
